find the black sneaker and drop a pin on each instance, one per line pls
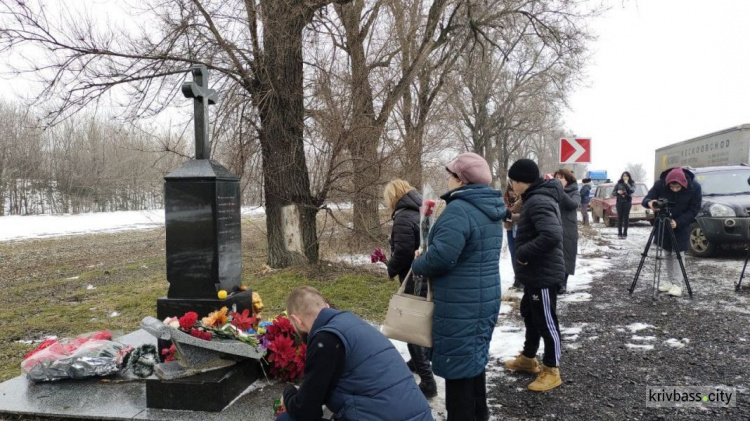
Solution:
(411, 366)
(562, 289)
(429, 390)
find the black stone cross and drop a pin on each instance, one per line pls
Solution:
(198, 89)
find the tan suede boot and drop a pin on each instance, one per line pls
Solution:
(548, 379)
(523, 363)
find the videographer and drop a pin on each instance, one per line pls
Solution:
(680, 196)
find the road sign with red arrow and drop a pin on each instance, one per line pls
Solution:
(575, 151)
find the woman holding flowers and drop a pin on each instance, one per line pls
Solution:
(462, 263)
(404, 202)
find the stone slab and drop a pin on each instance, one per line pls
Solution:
(212, 348)
(84, 399)
(121, 399)
(174, 370)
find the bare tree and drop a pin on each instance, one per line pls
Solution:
(430, 36)
(636, 170)
(254, 45)
(507, 94)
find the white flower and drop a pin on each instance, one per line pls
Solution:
(172, 322)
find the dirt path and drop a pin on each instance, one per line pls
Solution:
(627, 343)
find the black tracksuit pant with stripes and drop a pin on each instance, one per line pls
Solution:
(539, 312)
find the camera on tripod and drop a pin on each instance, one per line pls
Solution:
(663, 205)
(662, 230)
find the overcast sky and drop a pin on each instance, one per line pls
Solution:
(662, 71)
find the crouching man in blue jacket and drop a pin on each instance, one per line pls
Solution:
(350, 367)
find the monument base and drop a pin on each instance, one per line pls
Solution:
(211, 391)
(176, 307)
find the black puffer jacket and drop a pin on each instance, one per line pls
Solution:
(405, 234)
(539, 237)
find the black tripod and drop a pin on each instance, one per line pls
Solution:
(662, 225)
(738, 287)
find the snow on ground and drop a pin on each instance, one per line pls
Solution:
(357, 260)
(640, 347)
(635, 327)
(42, 226)
(677, 343)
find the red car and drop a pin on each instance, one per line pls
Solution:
(603, 205)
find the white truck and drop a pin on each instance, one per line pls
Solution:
(725, 147)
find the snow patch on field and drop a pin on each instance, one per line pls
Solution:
(635, 327)
(677, 343)
(640, 347)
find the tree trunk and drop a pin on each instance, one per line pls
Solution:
(365, 136)
(278, 96)
(364, 151)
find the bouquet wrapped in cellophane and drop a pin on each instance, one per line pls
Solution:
(91, 355)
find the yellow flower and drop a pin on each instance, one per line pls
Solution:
(261, 331)
(222, 294)
(257, 302)
(217, 318)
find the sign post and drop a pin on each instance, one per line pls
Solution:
(575, 150)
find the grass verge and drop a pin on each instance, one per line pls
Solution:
(74, 285)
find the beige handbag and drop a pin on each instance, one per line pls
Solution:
(409, 317)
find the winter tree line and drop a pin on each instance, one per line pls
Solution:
(81, 165)
(320, 101)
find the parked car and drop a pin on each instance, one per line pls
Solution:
(724, 218)
(603, 207)
(592, 192)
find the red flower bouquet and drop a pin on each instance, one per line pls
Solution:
(286, 350)
(218, 324)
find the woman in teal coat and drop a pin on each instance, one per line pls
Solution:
(462, 263)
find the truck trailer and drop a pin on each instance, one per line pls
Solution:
(725, 147)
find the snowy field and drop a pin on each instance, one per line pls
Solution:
(45, 226)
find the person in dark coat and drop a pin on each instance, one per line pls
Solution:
(623, 191)
(541, 269)
(684, 195)
(585, 199)
(462, 262)
(405, 202)
(350, 367)
(569, 203)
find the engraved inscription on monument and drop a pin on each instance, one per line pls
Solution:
(228, 234)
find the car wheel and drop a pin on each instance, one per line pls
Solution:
(609, 222)
(699, 244)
